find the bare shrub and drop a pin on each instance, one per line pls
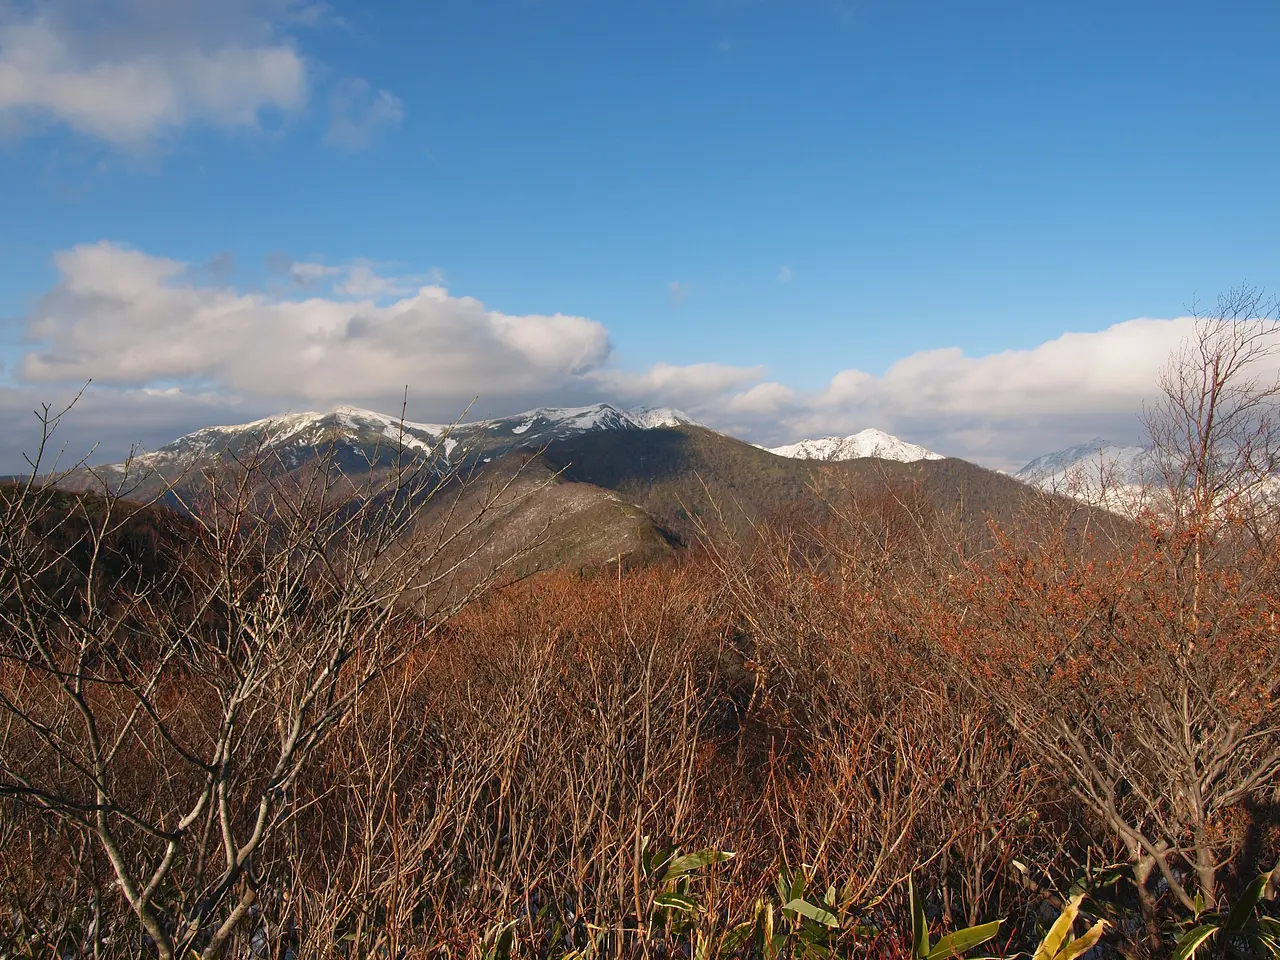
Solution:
(167, 680)
(1147, 677)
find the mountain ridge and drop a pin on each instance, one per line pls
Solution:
(1098, 471)
(865, 443)
(295, 436)
(602, 483)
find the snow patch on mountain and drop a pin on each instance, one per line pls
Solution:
(356, 418)
(290, 434)
(865, 443)
(1118, 477)
(651, 418)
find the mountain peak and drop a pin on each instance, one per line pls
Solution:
(649, 418)
(1090, 470)
(865, 443)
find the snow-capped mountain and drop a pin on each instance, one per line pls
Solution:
(295, 437)
(1096, 470)
(649, 418)
(865, 443)
(1117, 477)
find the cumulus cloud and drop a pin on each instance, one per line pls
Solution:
(363, 279)
(1004, 408)
(127, 70)
(169, 336)
(131, 72)
(170, 347)
(695, 385)
(130, 319)
(358, 113)
(1081, 371)
(764, 399)
(1000, 409)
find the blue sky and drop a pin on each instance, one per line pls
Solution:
(795, 217)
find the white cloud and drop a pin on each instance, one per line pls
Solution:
(106, 424)
(168, 352)
(764, 399)
(695, 385)
(149, 328)
(305, 273)
(126, 71)
(785, 274)
(1114, 367)
(358, 113)
(133, 72)
(131, 320)
(1001, 409)
(362, 279)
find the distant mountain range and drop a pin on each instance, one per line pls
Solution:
(361, 438)
(611, 483)
(367, 436)
(370, 436)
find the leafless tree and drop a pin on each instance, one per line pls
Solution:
(167, 678)
(1149, 679)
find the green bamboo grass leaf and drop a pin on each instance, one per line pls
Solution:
(676, 901)
(1244, 907)
(655, 858)
(846, 891)
(814, 913)
(694, 861)
(798, 886)
(958, 943)
(499, 942)
(1269, 935)
(1193, 940)
(783, 886)
(737, 936)
(919, 923)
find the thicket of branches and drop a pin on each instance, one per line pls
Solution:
(304, 718)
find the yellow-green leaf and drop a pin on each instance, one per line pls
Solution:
(1060, 933)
